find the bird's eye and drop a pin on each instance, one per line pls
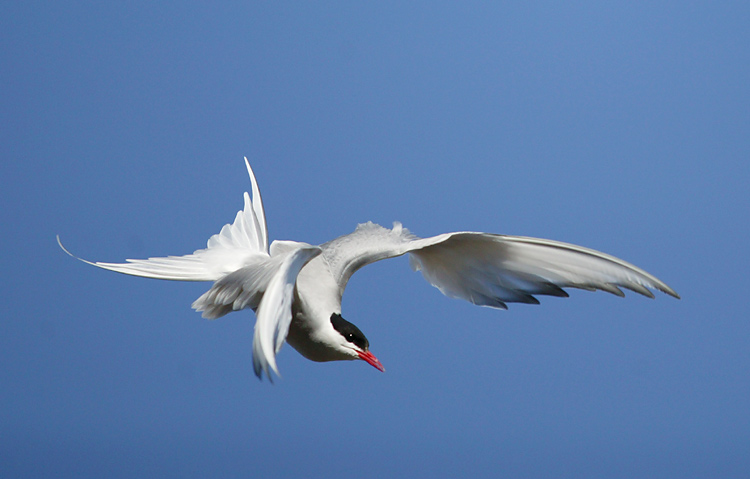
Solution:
(349, 331)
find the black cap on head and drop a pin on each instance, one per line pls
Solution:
(350, 332)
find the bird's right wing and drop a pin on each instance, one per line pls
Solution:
(238, 245)
(489, 269)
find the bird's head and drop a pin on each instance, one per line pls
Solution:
(354, 341)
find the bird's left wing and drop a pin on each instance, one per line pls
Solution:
(489, 269)
(274, 313)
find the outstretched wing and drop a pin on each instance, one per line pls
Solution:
(240, 244)
(488, 269)
(491, 270)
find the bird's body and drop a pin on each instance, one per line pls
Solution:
(296, 288)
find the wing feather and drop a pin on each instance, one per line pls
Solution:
(489, 269)
(514, 267)
(274, 313)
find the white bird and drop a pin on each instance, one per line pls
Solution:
(296, 288)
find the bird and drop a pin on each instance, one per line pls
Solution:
(296, 288)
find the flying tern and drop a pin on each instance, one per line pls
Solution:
(296, 288)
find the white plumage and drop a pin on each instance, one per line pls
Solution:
(296, 288)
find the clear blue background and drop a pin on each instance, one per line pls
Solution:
(621, 126)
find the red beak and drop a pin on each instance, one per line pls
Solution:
(371, 359)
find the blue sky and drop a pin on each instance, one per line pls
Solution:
(621, 126)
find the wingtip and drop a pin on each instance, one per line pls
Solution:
(259, 369)
(260, 372)
(263, 363)
(662, 286)
(265, 369)
(671, 292)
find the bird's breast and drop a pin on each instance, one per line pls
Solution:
(317, 297)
